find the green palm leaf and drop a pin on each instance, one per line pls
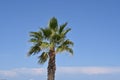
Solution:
(43, 58)
(53, 24)
(66, 31)
(62, 27)
(44, 45)
(34, 50)
(68, 43)
(36, 35)
(46, 32)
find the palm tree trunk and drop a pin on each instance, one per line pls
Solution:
(51, 66)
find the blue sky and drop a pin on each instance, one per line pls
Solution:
(95, 33)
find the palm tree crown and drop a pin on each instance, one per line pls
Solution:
(51, 37)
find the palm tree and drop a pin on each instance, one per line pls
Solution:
(50, 41)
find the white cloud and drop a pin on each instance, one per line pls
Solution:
(8, 73)
(23, 71)
(89, 70)
(60, 70)
(30, 71)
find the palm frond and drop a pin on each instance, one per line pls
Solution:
(34, 40)
(69, 50)
(56, 37)
(53, 24)
(44, 45)
(68, 43)
(62, 27)
(34, 50)
(61, 49)
(65, 46)
(46, 32)
(67, 31)
(43, 58)
(36, 35)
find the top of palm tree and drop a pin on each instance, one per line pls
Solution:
(49, 38)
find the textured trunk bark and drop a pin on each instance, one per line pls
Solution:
(51, 66)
